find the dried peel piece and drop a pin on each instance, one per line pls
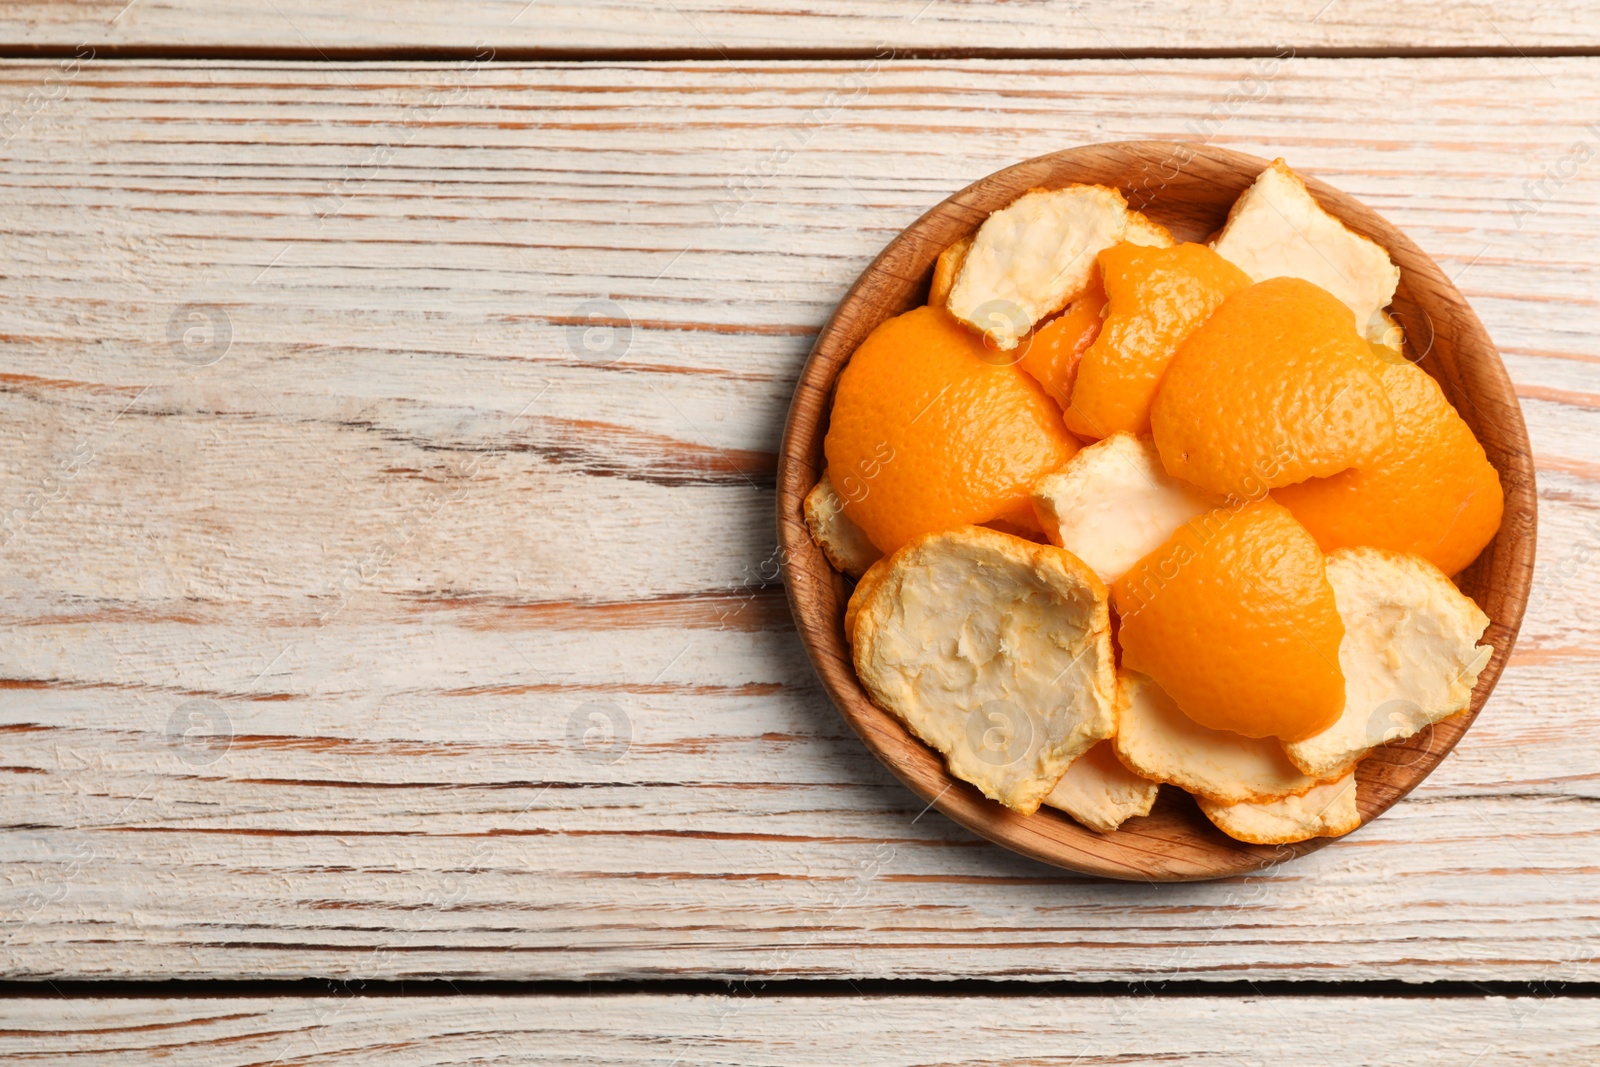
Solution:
(993, 650)
(842, 541)
(1114, 503)
(1157, 740)
(1100, 792)
(1327, 810)
(1410, 655)
(1277, 229)
(1032, 256)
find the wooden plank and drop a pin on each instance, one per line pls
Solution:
(479, 607)
(720, 30)
(800, 1031)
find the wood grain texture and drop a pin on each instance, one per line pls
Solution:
(721, 30)
(404, 586)
(1013, 1031)
(1189, 189)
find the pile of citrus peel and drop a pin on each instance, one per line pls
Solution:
(1125, 511)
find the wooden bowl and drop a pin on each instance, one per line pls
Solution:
(1188, 188)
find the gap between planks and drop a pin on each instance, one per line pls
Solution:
(783, 988)
(450, 54)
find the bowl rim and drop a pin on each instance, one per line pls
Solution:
(1502, 575)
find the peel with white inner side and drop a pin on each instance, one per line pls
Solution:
(1100, 792)
(1276, 228)
(1327, 810)
(1033, 255)
(945, 269)
(864, 587)
(1410, 655)
(1141, 230)
(841, 540)
(993, 650)
(1114, 503)
(1160, 742)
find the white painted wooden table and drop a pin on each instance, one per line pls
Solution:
(390, 396)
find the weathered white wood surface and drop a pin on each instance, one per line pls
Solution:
(719, 29)
(416, 541)
(800, 1031)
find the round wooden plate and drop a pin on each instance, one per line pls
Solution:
(1189, 189)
